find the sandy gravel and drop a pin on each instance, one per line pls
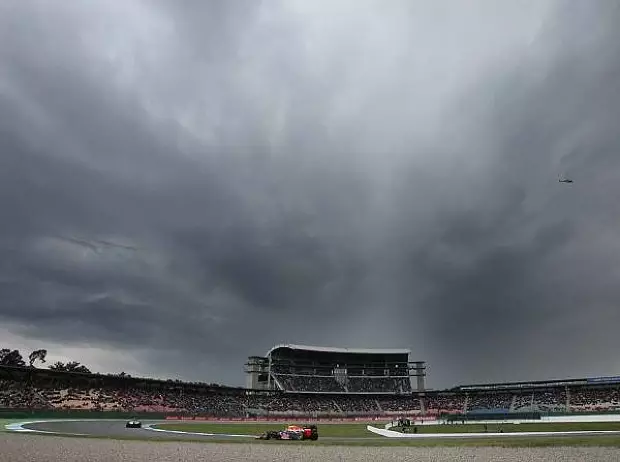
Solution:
(35, 448)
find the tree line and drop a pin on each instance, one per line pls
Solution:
(14, 358)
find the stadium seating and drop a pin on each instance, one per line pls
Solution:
(550, 399)
(100, 393)
(299, 368)
(329, 384)
(322, 384)
(523, 401)
(445, 402)
(399, 404)
(378, 385)
(489, 402)
(595, 399)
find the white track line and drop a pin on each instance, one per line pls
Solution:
(395, 434)
(19, 427)
(149, 427)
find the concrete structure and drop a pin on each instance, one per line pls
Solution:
(307, 369)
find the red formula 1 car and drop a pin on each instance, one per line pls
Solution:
(292, 432)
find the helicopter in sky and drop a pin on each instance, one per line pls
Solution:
(565, 180)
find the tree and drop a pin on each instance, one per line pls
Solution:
(58, 366)
(37, 355)
(11, 358)
(72, 366)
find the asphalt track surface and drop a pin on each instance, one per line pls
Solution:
(116, 429)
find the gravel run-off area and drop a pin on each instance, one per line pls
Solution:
(35, 448)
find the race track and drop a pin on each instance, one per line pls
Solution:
(116, 429)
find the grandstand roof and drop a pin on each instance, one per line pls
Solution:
(540, 383)
(366, 351)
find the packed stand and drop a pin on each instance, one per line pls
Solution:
(489, 402)
(282, 404)
(523, 401)
(399, 403)
(329, 384)
(592, 399)
(550, 399)
(378, 385)
(53, 395)
(321, 384)
(99, 393)
(444, 402)
(357, 404)
(15, 395)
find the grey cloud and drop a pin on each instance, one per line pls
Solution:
(504, 312)
(274, 171)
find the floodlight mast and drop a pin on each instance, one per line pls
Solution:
(419, 368)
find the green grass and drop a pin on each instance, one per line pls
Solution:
(360, 436)
(330, 430)
(358, 430)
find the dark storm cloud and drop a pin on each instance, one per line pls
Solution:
(515, 301)
(187, 181)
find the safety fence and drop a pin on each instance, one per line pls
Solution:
(6, 414)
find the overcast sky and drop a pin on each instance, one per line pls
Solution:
(184, 184)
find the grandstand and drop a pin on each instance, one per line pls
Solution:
(570, 395)
(313, 369)
(23, 388)
(313, 382)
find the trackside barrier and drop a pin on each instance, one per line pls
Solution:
(271, 419)
(39, 414)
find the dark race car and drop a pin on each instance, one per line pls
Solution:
(133, 424)
(292, 432)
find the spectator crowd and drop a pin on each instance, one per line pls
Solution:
(98, 393)
(351, 384)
